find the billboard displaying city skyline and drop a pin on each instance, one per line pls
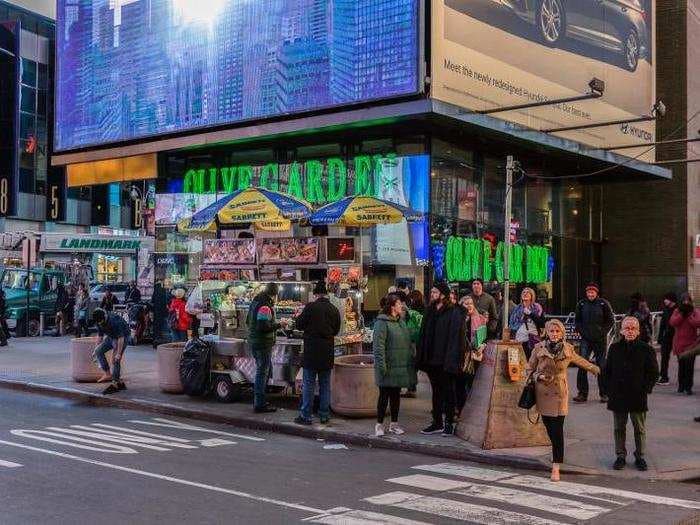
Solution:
(132, 69)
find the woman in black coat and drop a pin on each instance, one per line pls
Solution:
(440, 354)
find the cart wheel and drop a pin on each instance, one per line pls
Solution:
(225, 390)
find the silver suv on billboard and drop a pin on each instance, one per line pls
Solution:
(621, 26)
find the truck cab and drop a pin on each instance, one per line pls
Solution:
(28, 294)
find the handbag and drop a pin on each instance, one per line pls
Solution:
(528, 398)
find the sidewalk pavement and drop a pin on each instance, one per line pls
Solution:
(43, 365)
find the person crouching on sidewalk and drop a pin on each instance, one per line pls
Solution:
(113, 333)
(548, 364)
(393, 362)
(631, 372)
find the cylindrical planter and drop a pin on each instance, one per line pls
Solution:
(168, 367)
(83, 368)
(353, 391)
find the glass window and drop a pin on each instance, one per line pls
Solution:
(28, 99)
(27, 127)
(26, 180)
(41, 102)
(539, 207)
(43, 82)
(29, 74)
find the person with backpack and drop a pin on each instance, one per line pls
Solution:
(393, 362)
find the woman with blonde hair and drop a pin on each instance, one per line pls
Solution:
(548, 365)
(526, 321)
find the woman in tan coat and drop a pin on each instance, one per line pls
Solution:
(548, 364)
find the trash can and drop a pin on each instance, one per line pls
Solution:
(83, 368)
(168, 367)
(353, 392)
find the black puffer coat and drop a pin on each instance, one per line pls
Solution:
(630, 372)
(443, 343)
(320, 321)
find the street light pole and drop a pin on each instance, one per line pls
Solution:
(510, 168)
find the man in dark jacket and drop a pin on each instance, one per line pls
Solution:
(440, 353)
(486, 305)
(594, 319)
(320, 321)
(133, 294)
(630, 373)
(262, 327)
(113, 334)
(666, 332)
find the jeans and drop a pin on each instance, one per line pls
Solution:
(308, 390)
(101, 350)
(263, 362)
(666, 348)
(388, 396)
(620, 430)
(179, 336)
(555, 431)
(686, 369)
(597, 350)
(444, 392)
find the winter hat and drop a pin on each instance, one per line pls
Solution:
(443, 287)
(593, 286)
(320, 288)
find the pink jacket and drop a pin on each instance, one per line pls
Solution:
(686, 330)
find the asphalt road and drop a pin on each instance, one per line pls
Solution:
(62, 462)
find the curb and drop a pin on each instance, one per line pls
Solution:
(444, 451)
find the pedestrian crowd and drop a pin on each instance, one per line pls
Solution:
(445, 340)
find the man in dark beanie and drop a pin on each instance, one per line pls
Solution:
(666, 332)
(262, 327)
(320, 321)
(594, 319)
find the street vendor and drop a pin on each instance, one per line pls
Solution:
(262, 327)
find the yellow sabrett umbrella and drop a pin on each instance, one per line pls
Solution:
(268, 210)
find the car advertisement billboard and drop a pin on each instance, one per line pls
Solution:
(131, 69)
(498, 53)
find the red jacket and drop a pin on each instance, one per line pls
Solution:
(686, 330)
(177, 305)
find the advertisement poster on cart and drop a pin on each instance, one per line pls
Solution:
(489, 54)
(239, 252)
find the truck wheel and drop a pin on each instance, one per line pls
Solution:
(226, 391)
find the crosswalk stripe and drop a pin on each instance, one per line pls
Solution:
(600, 493)
(565, 507)
(364, 517)
(462, 471)
(9, 464)
(422, 481)
(457, 509)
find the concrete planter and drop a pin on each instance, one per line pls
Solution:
(83, 368)
(168, 367)
(353, 391)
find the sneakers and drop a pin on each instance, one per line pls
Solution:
(449, 429)
(663, 381)
(697, 419)
(619, 463)
(267, 409)
(111, 389)
(121, 386)
(641, 464)
(580, 399)
(301, 421)
(395, 429)
(603, 399)
(325, 420)
(434, 428)
(379, 430)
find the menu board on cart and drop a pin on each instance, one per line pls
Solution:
(216, 274)
(239, 252)
(289, 251)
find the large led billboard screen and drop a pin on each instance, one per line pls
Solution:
(498, 53)
(131, 69)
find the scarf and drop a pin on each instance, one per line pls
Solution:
(556, 349)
